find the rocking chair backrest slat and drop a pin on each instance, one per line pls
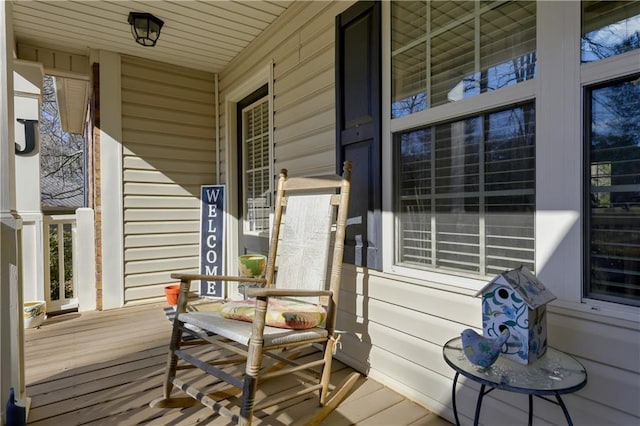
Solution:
(305, 236)
(307, 239)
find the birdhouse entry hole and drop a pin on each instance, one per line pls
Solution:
(503, 293)
(502, 328)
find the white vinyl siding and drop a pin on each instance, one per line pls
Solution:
(168, 134)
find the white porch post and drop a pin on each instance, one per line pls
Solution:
(27, 84)
(111, 181)
(11, 332)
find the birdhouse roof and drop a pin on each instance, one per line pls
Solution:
(522, 281)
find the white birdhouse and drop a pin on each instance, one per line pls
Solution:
(517, 300)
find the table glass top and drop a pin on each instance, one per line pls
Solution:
(555, 372)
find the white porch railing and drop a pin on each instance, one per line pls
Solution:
(70, 261)
(60, 285)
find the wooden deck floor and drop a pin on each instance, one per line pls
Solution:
(103, 368)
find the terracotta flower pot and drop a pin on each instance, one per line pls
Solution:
(171, 292)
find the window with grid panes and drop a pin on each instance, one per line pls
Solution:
(612, 155)
(256, 167)
(446, 51)
(464, 189)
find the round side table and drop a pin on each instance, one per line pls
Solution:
(555, 374)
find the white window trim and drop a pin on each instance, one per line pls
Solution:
(610, 68)
(264, 75)
(521, 92)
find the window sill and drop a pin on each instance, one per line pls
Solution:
(602, 312)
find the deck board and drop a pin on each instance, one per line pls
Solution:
(103, 368)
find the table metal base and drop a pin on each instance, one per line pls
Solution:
(484, 392)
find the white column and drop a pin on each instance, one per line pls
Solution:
(27, 101)
(111, 181)
(11, 333)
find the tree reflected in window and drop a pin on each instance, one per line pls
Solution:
(614, 191)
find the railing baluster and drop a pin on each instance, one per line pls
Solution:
(61, 280)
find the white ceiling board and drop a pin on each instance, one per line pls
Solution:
(203, 35)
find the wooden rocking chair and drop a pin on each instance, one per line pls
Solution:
(304, 268)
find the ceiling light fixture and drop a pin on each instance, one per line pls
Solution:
(145, 28)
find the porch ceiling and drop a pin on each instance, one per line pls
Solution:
(203, 34)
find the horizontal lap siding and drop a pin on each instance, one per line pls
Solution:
(395, 330)
(168, 119)
(304, 107)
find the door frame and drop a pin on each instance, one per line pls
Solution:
(263, 75)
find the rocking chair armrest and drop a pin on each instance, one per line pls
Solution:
(286, 292)
(192, 277)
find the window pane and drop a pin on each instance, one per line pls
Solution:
(452, 65)
(412, 193)
(458, 234)
(444, 52)
(509, 174)
(510, 150)
(614, 192)
(457, 156)
(409, 58)
(465, 193)
(509, 232)
(507, 45)
(409, 21)
(609, 28)
(409, 82)
(443, 13)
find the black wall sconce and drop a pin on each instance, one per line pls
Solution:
(145, 28)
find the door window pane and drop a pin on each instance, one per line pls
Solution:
(256, 167)
(465, 193)
(613, 149)
(609, 28)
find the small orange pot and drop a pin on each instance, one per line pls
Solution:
(171, 292)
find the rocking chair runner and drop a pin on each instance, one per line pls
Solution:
(307, 244)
